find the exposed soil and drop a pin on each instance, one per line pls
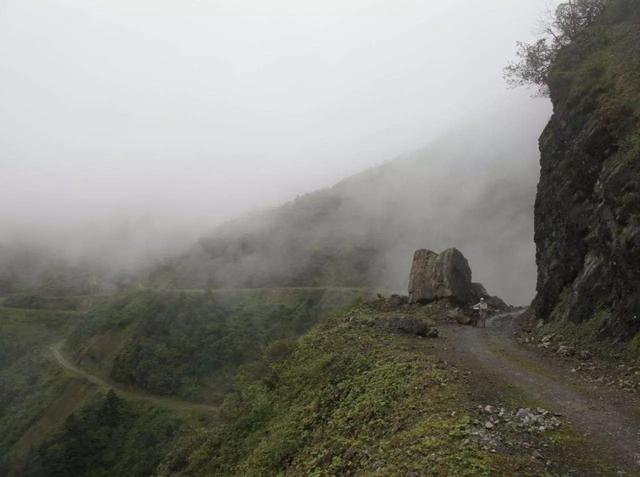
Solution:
(606, 420)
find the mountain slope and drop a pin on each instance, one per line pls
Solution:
(191, 344)
(360, 393)
(473, 189)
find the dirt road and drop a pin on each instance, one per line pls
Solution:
(609, 421)
(162, 401)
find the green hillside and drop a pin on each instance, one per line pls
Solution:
(182, 344)
(190, 344)
(352, 399)
(363, 230)
(316, 386)
(31, 385)
(108, 436)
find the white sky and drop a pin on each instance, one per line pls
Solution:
(186, 113)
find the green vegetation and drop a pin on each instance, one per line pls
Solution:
(604, 65)
(30, 384)
(43, 302)
(588, 51)
(569, 25)
(634, 344)
(351, 399)
(591, 335)
(319, 393)
(191, 343)
(107, 437)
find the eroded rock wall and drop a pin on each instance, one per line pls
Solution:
(587, 211)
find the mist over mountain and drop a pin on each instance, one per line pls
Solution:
(473, 188)
(210, 212)
(123, 144)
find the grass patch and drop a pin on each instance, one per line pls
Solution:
(350, 399)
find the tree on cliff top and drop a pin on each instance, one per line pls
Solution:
(566, 25)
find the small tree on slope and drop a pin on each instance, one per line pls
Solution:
(535, 59)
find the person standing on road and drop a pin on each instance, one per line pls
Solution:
(483, 308)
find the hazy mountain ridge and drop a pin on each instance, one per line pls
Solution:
(363, 230)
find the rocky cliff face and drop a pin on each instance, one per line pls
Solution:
(587, 211)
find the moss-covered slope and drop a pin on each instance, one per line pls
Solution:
(352, 398)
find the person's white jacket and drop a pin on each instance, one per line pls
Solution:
(482, 306)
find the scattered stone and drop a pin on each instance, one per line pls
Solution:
(392, 303)
(431, 333)
(538, 420)
(565, 350)
(459, 316)
(488, 425)
(410, 325)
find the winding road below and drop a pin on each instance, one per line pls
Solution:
(162, 401)
(607, 419)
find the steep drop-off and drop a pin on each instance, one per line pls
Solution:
(191, 344)
(587, 212)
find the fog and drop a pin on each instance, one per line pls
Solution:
(364, 230)
(130, 129)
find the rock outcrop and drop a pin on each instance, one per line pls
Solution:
(410, 325)
(587, 211)
(445, 275)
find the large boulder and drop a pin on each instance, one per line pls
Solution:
(444, 275)
(421, 286)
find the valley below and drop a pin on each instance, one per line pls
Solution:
(356, 390)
